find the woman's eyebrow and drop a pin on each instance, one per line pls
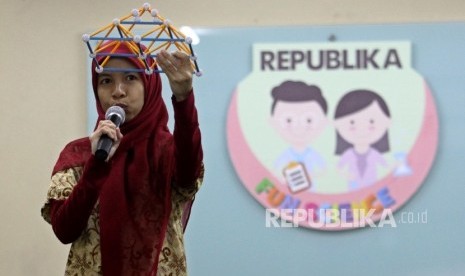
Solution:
(101, 75)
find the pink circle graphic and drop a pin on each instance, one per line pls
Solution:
(388, 193)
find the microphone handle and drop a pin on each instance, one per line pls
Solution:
(105, 143)
(103, 147)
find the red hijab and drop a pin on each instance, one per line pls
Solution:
(135, 198)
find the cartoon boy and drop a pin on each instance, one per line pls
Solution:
(298, 114)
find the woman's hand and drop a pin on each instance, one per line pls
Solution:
(109, 128)
(178, 69)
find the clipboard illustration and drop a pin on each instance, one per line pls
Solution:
(296, 177)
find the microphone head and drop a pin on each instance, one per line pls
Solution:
(116, 111)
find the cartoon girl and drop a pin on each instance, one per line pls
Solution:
(362, 120)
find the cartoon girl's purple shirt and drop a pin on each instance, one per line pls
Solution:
(362, 167)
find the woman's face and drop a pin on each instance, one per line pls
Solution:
(125, 89)
(364, 127)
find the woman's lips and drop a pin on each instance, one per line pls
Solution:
(123, 106)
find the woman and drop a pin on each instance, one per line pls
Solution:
(362, 120)
(124, 216)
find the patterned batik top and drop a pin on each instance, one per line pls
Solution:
(85, 257)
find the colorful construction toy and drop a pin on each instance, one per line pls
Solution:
(161, 35)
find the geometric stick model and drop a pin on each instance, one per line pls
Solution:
(161, 35)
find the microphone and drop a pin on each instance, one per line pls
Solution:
(117, 115)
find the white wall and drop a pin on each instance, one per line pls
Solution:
(43, 89)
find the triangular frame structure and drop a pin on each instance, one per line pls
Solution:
(162, 35)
